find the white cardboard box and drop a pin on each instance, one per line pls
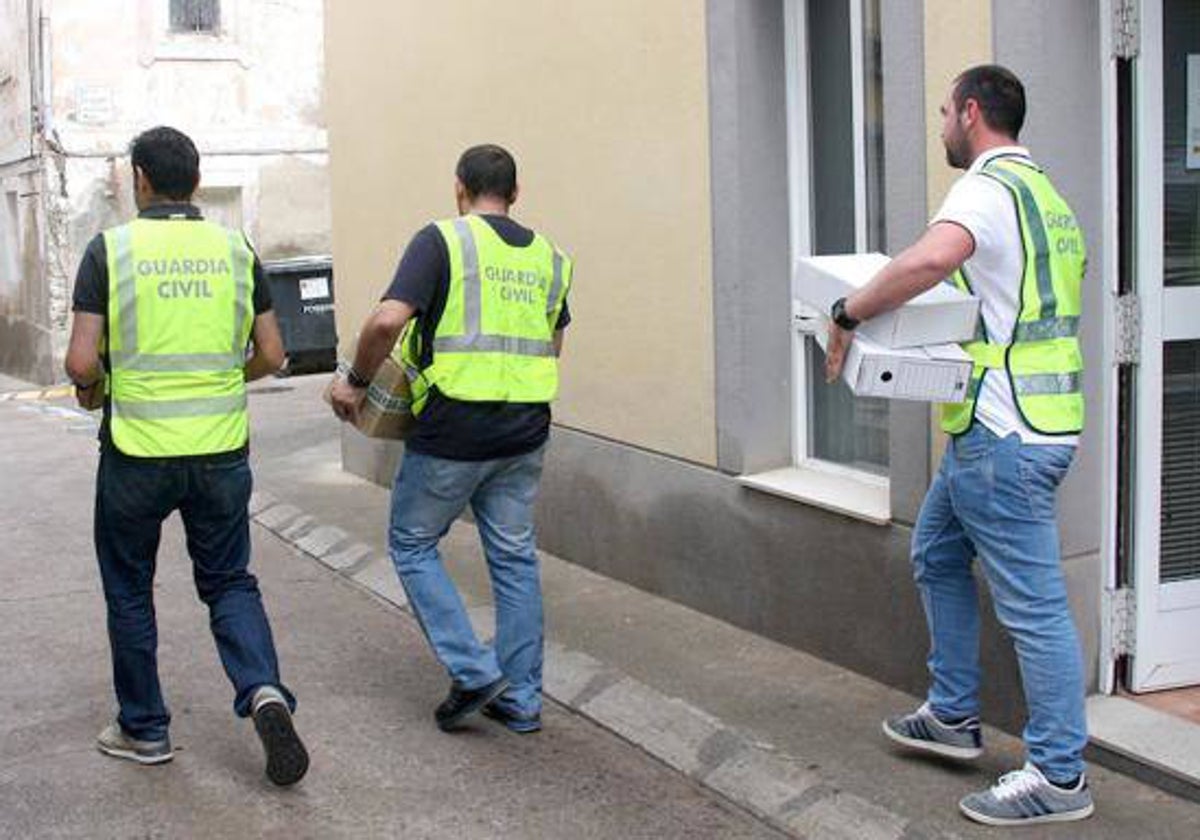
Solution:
(942, 315)
(936, 373)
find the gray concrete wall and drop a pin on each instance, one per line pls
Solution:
(905, 215)
(751, 287)
(1055, 49)
(817, 581)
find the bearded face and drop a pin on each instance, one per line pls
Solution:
(954, 135)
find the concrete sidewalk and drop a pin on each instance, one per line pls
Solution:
(757, 725)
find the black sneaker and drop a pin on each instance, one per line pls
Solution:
(287, 759)
(461, 702)
(516, 722)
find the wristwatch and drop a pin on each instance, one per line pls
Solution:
(839, 315)
(356, 379)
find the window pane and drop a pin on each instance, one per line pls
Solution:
(832, 131)
(195, 15)
(873, 129)
(843, 428)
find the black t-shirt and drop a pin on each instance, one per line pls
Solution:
(457, 429)
(92, 283)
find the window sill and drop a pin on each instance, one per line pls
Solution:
(849, 492)
(197, 48)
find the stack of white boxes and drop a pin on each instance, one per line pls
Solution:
(908, 354)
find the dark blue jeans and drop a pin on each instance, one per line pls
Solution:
(133, 497)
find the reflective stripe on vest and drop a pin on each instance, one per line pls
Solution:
(1042, 359)
(179, 319)
(494, 340)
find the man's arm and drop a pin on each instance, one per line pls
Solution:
(268, 355)
(940, 251)
(376, 339)
(83, 354)
(559, 335)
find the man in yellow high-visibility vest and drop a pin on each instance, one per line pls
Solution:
(166, 307)
(1006, 235)
(489, 299)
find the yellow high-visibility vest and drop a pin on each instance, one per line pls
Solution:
(494, 340)
(180, 314)
(1041, 358)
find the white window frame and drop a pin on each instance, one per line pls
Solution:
(853, 492)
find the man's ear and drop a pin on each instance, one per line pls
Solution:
(516, 193)
(971, 111)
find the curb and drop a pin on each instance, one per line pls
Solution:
(54, 392)
(785, 792)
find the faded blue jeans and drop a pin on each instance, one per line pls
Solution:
(428, 495)
(995, 498)
(133, 497)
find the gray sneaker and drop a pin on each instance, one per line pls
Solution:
(1025, 797)
(921, 730)
(115, 741)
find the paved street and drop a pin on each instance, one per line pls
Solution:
(366, 689)
(665, 723)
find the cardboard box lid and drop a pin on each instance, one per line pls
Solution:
(939, 315)
(855, 271)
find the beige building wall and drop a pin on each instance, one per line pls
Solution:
(605, 105)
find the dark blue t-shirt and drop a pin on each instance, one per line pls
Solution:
(457, 429)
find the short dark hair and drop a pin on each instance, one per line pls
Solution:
(168, 158)
(488, 170)
(1000, 95)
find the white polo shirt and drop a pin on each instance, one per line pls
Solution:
(985, 209)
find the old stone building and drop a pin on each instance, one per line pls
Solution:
(242, 77)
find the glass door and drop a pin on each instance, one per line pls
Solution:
(1167, 449)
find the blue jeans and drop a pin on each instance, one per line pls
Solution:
(133, 497)
(428, 496)
(994, 498)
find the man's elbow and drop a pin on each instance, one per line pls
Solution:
(928, 267)
(385, 325)
(272, 357)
